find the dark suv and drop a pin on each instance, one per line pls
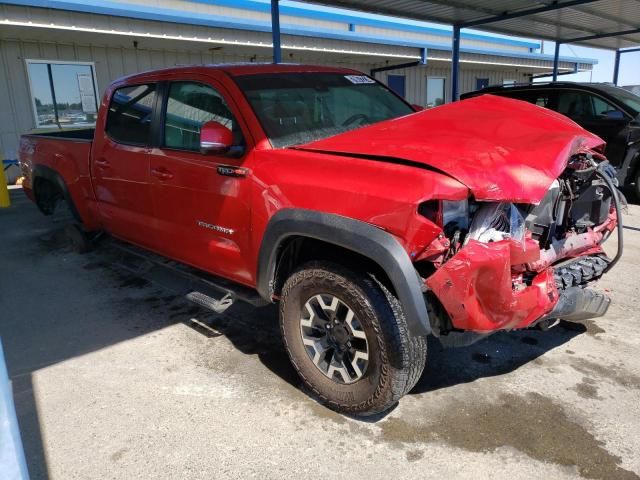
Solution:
(610, 112)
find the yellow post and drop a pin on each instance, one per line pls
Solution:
(4, 191)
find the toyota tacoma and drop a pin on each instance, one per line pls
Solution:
(372, 224)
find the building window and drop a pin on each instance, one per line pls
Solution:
(63, 94)
(435, 91)
(508, 82)
(397, 84)
(481, 83)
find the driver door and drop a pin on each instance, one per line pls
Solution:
(202, 210)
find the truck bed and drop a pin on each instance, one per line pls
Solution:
(61, 157)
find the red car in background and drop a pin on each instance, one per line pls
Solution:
(372, 224)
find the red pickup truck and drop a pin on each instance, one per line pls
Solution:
(371, 223)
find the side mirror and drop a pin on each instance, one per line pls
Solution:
(417, 108)
(215, 138)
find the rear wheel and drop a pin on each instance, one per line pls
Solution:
(347, 337)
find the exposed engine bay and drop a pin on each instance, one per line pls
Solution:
(533, 262)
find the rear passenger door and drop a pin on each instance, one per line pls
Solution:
(120, 165)
(202, 208)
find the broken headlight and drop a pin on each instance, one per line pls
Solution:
(455, 214)
(497, 221)
(451, 215)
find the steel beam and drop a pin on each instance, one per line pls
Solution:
(386, 68)
(275, 31)
(523, 13)
(556, 61)
(616, 65)
(602, 35)
(455, 62)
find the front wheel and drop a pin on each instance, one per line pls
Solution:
(347, 337)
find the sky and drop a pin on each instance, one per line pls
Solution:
(602, 72)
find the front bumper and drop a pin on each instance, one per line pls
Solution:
(482, 289)
(476, 287)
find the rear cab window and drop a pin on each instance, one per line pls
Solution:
(130, 113)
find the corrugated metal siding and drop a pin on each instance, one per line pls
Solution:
(416, 79)
(209, 9)
(443, 39)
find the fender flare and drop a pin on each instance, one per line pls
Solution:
(357, 236)
(47, 173)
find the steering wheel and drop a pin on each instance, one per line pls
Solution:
(355, 117)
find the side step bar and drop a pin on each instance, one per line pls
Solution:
(205, 301)
(206, 290)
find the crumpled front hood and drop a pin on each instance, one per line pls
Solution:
(500, 148)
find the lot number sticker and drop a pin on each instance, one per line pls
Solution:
(359, 79)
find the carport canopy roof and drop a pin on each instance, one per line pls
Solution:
(608, 24)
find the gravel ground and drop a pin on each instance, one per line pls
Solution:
(115, 377)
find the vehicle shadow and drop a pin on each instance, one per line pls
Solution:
(498, 354)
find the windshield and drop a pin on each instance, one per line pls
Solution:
(624, 96)
(297, 108)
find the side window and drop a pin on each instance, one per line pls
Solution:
(189, 106)
(575, 105)
(601, 107)
(542, 99)
(129, 117)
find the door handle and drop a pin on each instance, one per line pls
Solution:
(102, 163)
(162, 173)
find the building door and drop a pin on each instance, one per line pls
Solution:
(397, 84)
(435, 91)
(481, 83)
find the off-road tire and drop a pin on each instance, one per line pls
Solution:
(396, 358)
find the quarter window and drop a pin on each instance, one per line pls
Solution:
(189, 106)
(129, 117)
(63, 94)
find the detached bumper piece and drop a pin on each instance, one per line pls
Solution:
(577, 303)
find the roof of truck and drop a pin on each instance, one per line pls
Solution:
(238, 69)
